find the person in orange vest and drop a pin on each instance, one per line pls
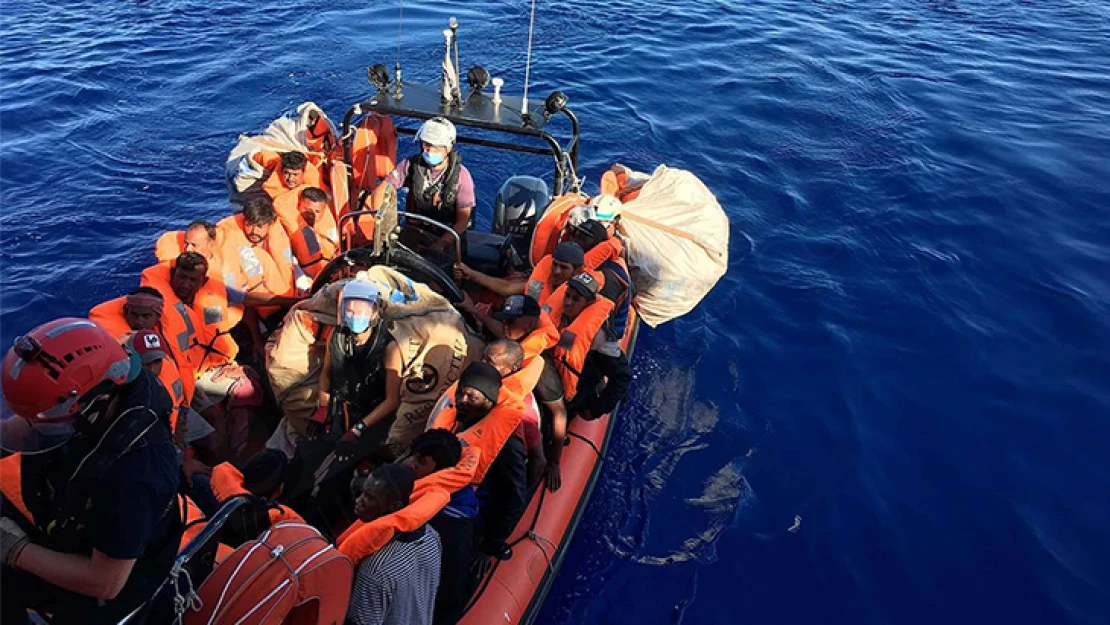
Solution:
(616, 282)
(548, 274)
(432, 451)
(141, 309)
(308, 221)
(289, 174)
(199, 236)
(594, 370)
(395, 585)
(94, 525)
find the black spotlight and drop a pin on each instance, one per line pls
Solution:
(378, 76)
(555, 102)
(478, 78)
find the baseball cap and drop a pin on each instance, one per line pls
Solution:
(148, 346)
(518, 306)
(569, 252)
(594, 229)
(585, 284)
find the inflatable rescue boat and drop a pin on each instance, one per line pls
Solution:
(672, 263)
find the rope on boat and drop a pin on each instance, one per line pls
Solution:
(592, 445)
(528, 61)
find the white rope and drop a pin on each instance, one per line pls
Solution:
(528, 61)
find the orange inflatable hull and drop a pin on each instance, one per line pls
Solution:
(514, 590)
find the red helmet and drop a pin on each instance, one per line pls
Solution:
(52, 368)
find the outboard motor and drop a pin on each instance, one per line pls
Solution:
(520, 203)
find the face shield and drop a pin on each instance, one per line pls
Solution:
(360, 306)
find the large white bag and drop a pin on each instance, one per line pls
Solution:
(676, 234)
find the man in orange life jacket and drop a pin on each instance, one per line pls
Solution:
(605, 376)
(566, 261)
(395, 585)
(291, 173)
(519, 317)
(616, 283)
(199, 236)
(91, 527)
(313, 236)
(432, 451)
(141, 309)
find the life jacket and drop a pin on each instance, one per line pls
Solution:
(358, 379)
(290, 575)
(194, 522)
(172, 244)
(550, 226)
(227, 482)
(274, 184)
(616, 182)
(267, 267)
(619, 289)
(186, 327)
(491, 432)
(57, 487)
(373, 152)
(436, 200)
(430, 494)
(313, 246)
(576, 338)
(541, 339)
(539, 281)
(110, 316)
(358, 231)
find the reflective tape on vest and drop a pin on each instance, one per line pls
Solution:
(213, 315)
(183, 339)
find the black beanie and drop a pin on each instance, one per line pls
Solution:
(265, 472)
(483, 378)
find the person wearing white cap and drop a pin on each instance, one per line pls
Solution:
(439, 185)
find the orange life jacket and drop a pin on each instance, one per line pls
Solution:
(576, 338)
(539, 281)
(543, 338)
(212, 317)
(492, 432)
(227, 482)
(172, 244)
(193, 345)
(274, 184)
(11, 483)
(615, 182)
(267, 267)
(609, 249)
(373, 152)
(194, 521)
(313, 246)
(430, 494)
(548, 229)
(110, 316)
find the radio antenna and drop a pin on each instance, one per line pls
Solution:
(528, 64)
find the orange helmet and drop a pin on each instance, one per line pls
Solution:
(51, 369)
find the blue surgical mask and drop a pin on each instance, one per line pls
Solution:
(357, 323)
(433, 158)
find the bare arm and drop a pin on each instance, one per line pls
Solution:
(97, 576)
(253, 299)
(502, 287)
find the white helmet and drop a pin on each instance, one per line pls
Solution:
(437, 131)
(360, 305)
(606, 207)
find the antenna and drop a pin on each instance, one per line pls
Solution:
(528, 65)
(397, 67)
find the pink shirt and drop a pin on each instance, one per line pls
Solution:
(465, 189)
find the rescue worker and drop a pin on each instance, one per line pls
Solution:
(549, 274)
(594, 370)
(439, 185)
(91, 524)
(395, 585)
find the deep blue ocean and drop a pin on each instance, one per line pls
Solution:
(895, 408)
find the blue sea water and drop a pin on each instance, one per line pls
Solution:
(895, 408)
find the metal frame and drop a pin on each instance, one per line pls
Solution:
(475, 111)
(455, 235)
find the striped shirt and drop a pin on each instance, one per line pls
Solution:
(397, 585)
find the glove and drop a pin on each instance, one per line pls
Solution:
(348, 444)
(12, 541)
(318, 423)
